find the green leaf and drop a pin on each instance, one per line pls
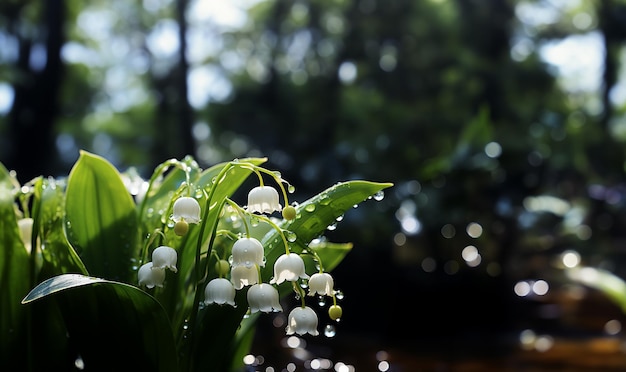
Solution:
(100, 217)
(58, 255)
(15, 273)
(313, 218)
(112, 325)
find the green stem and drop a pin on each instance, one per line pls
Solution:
(279, 230)
(157, 172)
(199, 270)
(300, 292)
(241, 213)
(144, 250)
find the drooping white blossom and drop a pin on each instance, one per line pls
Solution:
(288, 267)
(302, 320)
(322, 284)
(219, 291)
(186, 209)
(165, 257)
(263, 297)
(151, 276)
(248, 252)
(242, 276)
(263, 199)
(26, 232)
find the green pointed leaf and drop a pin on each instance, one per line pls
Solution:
(111, 324)
(314, 216)
(100, 217)
(15, 273)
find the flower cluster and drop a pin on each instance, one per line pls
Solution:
(152, 274)
(242, 270)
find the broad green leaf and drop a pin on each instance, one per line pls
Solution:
(101, 221)
(15, 273)
(113, 325)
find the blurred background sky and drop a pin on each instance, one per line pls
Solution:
(501, 123)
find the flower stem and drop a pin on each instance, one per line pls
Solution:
(280, 231)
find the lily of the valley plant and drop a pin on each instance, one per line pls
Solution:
(103, 270)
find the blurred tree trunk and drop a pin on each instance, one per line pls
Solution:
(174, 140)
(35, 105)
(486, 30)
(607, 154)
(184, 109)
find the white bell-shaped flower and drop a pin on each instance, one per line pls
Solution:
(186, 209)
(248, 252)
(164, 257)
(26, 232)
(322, 284)
(263, 199)
(288, 267)
(263, 297)
(219, 291)
(151, 276)
(242, 276)
(302, 320)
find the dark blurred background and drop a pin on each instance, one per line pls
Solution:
(501, 124)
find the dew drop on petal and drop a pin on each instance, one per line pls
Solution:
(339, 295)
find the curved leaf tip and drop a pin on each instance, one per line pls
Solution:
(59, 283)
